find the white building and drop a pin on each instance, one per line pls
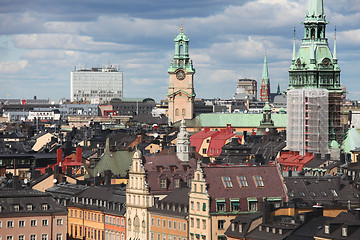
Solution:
(96, 85)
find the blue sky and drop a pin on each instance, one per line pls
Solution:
(41, 41)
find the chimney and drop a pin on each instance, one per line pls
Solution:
(327, 156)
(266, 212)
(317, 156)
(357, 213)
(318, 210)
(79, 154)
(59, 154)
(108, 175)
(16, 182)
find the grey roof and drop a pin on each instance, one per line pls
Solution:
(9, 197)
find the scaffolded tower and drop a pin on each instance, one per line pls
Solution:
(308, 120)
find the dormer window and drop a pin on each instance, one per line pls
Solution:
(259, 181)
(16, 207)
(227, 182)
(344, 232)
(327, 229)
(280, 231)
(176, 183)
(163, 183)
(260, 228)
(274, 230)
(29, 207)
(44, 207)
(334, 193)
(241, 228)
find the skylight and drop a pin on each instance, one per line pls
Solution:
(227, 182)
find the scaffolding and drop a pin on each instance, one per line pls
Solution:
(307, 120)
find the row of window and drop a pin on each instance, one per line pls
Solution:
(235, 205)
(242, 181)
(59, 236)
(169, 224)
(114, 236)
(165, 237)
(90, 233)
(192, 204)
(313, 194)
(197, 221)
(111, 220)
(33, 223)
(87, 216)
(29, 207)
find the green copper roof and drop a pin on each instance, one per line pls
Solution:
(351, 141)
(236, 120)
(265, 73)
(315, 10)
(334, 144)
(266, 107)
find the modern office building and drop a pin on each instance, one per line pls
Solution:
(96, 85)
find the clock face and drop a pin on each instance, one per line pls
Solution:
(180, 74)
(326, 62)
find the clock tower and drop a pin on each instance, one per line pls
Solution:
(181, 92)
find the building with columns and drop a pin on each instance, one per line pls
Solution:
(138, 200)
(181, 92)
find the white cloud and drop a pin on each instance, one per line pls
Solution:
(12, 66)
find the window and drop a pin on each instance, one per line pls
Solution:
(122, 222)
(29, 207)
(327, 229)
(9, 237)
(235, 205)
(334, 193)
(242, 181)
(302, 194)
(174, 224)
(313, 194)
(10, 224)
(45, 222)
(44, 237)
(16, 207)
(184, 226)
(204, 224)
(164, 223)
(33, 223)
(192, 205)
(204, 150)
(323, 194)
(44, 207)
(227, 182)
(59, 236)
(158, 222)
(221, 224)
(152, 221)
(22, 223)
(204, 207)
(32, 237)
(176, 183)
(344, 232)
(198, 206)
(259, 181)
(21, 237)
(198, 223)
(59, 221)
(192, 222)
(252, 206)
(220, 205)
(162, 183)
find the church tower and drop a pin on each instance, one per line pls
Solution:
(138, 200)
(181, 93)
(265, 83)
(183, 143)
(314, 66)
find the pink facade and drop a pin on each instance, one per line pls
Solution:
(33, 227)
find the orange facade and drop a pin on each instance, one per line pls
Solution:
(115, 227)
(168, 227)
(85, 223)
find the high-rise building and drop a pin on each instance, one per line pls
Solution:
(314, 66)
(265, 83)
(96, 85)
(181, 92)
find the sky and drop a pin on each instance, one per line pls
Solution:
(41, 42)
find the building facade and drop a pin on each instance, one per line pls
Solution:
(96, 85)
(246, 89)
(138, 200)
(181, 94)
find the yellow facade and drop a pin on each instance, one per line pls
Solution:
(166, 227)
(85, 223)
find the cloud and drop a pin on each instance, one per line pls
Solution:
(12, 66)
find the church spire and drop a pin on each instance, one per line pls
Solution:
(265, 73)
(315, 10)
(335, 55)
(294, 48)
(265, 83)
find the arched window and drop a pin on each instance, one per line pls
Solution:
(136, 224)
(177, 112)
(181, 49)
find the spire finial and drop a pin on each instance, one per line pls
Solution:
(335, 53)
(294, 32)
(181, 25)
(335, 32)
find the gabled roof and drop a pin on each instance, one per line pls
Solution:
(352, 140)
(198, 138)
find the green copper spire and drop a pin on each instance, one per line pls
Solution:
(265, 73)
(315, 10)
(334, 55)
(278, 89)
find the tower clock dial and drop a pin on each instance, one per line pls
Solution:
(326, 62)
(180, 74)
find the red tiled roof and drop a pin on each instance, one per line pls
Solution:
(218, 141)
(293, 159)
(198, 138)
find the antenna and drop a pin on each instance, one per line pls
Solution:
(294, 32)
(335, 31)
